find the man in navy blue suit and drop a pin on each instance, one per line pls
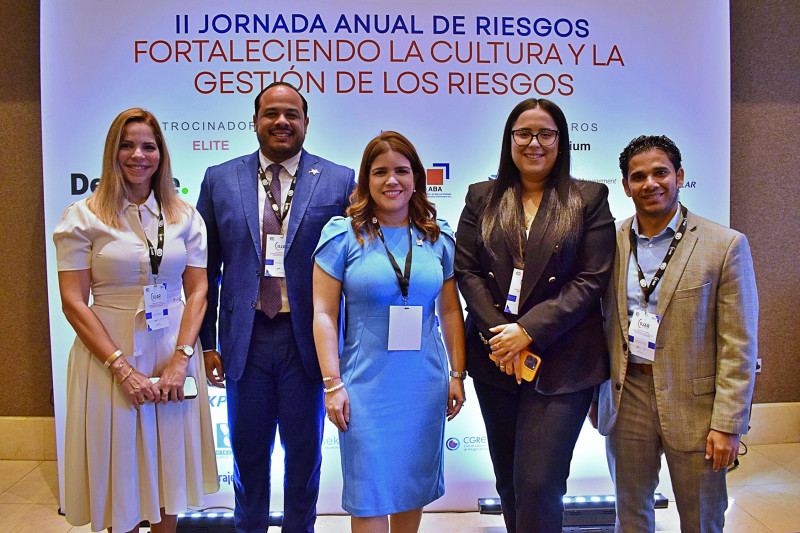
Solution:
(264, 213)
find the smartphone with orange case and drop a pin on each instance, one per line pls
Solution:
(530, 363)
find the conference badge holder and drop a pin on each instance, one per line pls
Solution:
(642, 333)
(405, 321)
(405, 327)
(273, 256)
(155, 306)
(514, 290)
(643, 327)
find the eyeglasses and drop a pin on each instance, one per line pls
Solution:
(525, 137)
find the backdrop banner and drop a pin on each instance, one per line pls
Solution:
(443, 74)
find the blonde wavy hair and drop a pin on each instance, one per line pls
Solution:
(112, 191)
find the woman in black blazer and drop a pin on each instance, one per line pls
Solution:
(560, 234)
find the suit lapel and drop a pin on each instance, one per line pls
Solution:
(620, 277)
(540, 246)
(503, 266)
(676, 267)
(247, 172)
(309, 173)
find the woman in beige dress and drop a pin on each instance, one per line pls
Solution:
(134, 449)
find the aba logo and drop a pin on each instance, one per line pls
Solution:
(435, 179)
(223, 436)
(452, 444)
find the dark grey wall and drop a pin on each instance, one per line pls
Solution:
(765, 167)
(765, 163)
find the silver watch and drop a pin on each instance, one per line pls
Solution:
(187, 350)
(459, 375)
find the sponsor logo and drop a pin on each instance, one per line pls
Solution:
(226, 478)
(475, 443)
(217, 401)
(435, 179)
(468, 443)
(223, 436)
(331, 443)
(80, 184)
(580, 147)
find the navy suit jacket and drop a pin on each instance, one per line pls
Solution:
(228, 202)
(559, 304)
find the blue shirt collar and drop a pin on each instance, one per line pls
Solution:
(672, 226)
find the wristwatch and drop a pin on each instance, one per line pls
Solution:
(459, 375)
(187, 350)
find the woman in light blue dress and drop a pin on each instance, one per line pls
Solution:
(390, 392)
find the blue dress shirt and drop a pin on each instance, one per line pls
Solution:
(651, 253)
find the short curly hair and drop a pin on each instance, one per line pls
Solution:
(644, 143)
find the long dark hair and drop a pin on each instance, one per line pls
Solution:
(504, 212)
(362, 207)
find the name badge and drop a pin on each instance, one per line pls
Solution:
(155, 306)
(405, 327)
(514, 290)
(642, 334)
(273, 258)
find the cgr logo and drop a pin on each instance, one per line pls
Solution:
(452, 444)
(223, 436)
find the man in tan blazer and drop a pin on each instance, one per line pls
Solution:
(681, 317)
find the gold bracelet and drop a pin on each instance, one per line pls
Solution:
(525, 332)
(130, 371)
(112, 358)
(120, 362)
(335, 388)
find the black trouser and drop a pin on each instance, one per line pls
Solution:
(531, 437)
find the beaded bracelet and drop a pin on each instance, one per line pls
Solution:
(335, 388)
(330, 378)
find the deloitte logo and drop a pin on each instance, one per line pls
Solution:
(452, 444)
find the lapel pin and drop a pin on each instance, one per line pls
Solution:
(313, 171)
(419, 242)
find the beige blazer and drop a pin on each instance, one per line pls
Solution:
(706, 347)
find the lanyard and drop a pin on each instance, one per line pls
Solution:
(156, 254)
(280, 214)
(402, 278)
(647, 290)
